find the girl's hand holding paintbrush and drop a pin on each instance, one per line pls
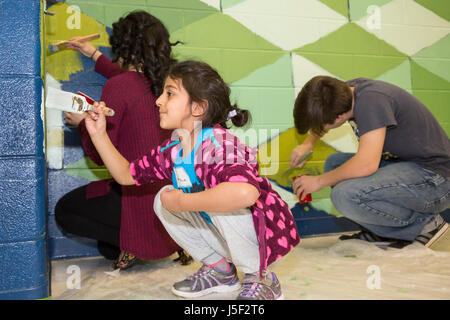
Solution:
(84, 47)
(96, 120)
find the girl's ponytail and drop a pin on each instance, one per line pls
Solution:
(239, 117)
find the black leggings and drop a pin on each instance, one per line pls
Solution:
(96, 218)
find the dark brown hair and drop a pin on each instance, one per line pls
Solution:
(321, 100)
(203, 83)
(142, 41)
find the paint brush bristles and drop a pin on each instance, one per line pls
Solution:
(62, 44)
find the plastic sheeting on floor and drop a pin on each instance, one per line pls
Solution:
(318, 268)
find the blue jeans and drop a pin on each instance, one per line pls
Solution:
(399, 201)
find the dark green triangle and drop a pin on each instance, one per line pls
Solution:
(340, 6)
(432, 90)
(351, 52)
(227, 45)
(439, 7)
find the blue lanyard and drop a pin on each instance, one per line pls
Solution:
(184, 176)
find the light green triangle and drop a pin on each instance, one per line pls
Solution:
(227, 45)
(436, 58)
(439, 7)
(432, 90)
(86, 169)
(169, 12)
(179, 4)
(340, 6)
(225, 4)
(352, 52)
(399, 76)
(358, 8)
(278, 74)
(268, 94)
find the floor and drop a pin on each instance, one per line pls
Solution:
(318, 268)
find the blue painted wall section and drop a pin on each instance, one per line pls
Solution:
(24, 269)
(63, 245)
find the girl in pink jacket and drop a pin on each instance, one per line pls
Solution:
(219, 210)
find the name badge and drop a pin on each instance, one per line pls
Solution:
(183, 180)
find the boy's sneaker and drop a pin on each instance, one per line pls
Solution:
(255, 288)
(437, 239)
(207, 280)
(380, 242)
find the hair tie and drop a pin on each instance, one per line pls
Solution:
(231, 114)
(93, 53)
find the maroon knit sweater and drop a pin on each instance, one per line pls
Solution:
(134, 130)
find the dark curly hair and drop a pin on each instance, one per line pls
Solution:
(203, 83)
(142, 41)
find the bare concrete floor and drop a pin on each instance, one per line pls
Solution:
(318, 268)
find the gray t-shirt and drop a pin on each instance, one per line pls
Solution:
(413, 133)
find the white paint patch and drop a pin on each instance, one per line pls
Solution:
(53, 130)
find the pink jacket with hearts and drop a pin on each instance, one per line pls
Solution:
(224, 158)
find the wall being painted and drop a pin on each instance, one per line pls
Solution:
(24, 270)
(266, 50)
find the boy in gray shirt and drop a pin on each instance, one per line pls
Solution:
(398, 182)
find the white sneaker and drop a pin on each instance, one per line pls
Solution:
(437, 239)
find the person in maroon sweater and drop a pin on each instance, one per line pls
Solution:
(121, 218)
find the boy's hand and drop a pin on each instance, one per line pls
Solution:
(96, 121)
(297, 153)
(306, 184)
(171, 200)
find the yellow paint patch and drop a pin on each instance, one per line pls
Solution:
(65, 24)
(286, 142)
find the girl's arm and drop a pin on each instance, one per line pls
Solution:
(103, 65)
(118, 166)
(114, 95)
(106, 67)
(224, 197)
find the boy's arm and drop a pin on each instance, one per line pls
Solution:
(364, 163)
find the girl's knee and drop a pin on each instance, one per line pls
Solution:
(157, 205)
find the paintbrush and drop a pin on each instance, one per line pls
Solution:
(302, 158)
(72, 102)
(62, 44)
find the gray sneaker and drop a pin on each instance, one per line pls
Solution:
(255, 288)
(207, 280)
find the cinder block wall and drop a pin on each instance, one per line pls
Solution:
(23, 253)
(266, 50)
